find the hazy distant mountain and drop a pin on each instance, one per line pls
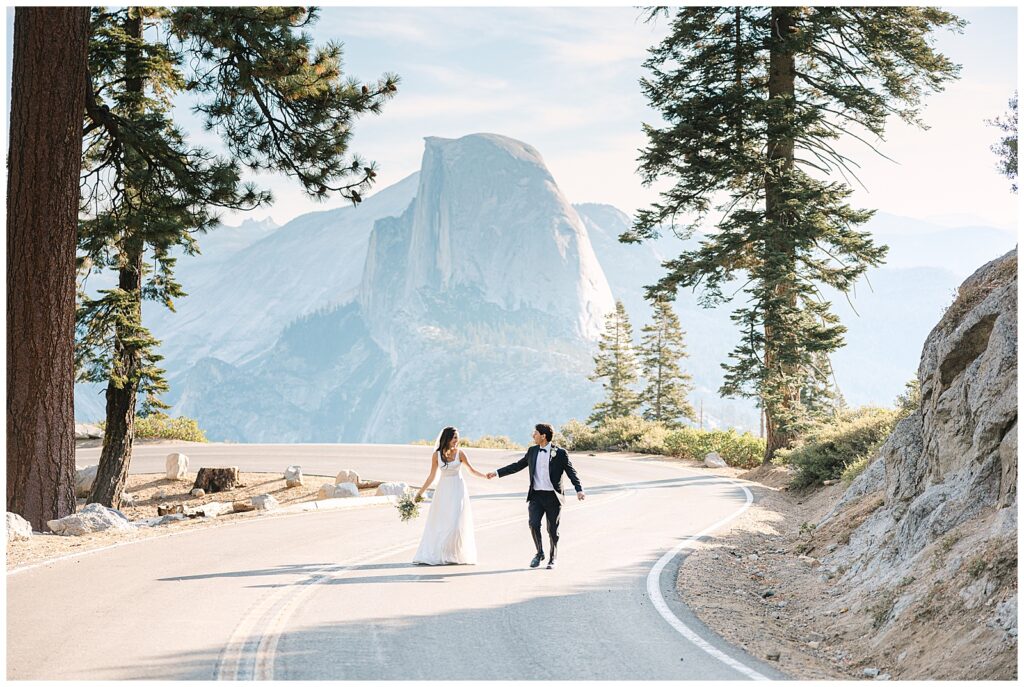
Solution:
(221, 243)
(917, 243)
(473, 292)
(479, 304)
(237, 308)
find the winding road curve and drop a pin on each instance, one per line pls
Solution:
(332, 594)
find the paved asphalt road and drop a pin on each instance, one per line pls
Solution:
(333, 595)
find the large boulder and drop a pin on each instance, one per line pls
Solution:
(177, 466)
(212, 480)
(337, 491)
(347, 476)
(210, 510)
(264, 502)
(392, 489)
(293, 476)
(93, 518)
(713, 460)
(18, 528)
(84, 479)
(87, 431)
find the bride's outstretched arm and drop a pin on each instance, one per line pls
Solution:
(430, 477)
(465, 460)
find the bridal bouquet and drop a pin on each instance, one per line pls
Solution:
(408, 508)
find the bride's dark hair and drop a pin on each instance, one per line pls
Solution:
(442, 443)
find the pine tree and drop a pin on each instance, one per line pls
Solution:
(1006, 148)
(615, 363)
(661, 348)
(754, 99)
(47, 95)
(276, 103)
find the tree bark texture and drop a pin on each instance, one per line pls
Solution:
(44, 164)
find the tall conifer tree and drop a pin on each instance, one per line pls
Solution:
(661, 348)
(278, 105)
(615, 363)
(47, 92)
(754, 100)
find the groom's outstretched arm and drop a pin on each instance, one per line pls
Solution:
(571, 471)
(513, 468)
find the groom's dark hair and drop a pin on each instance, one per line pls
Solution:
(545, 430)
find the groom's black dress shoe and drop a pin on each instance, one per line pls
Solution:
(536, 560)
(551, 564)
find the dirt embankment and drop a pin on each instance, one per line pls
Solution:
(760, 584)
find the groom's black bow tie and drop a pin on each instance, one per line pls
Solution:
(544, 450)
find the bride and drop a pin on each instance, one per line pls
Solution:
(448, 534)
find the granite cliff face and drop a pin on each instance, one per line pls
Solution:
(489, 229)
(937, 550)
(482, 282)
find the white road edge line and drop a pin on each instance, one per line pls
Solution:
(654, 592)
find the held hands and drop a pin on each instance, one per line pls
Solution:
(491, 475)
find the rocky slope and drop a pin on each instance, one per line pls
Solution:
(924, 542)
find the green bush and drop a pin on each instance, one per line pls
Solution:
(738, 450)
(634, 433)
(853, 470)
(831, 447)
(161, 426)
(575, 436)
(488, 441)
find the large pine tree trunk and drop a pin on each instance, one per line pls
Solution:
(44, 163)
(119, 432)
(123, 387)
(781, 88)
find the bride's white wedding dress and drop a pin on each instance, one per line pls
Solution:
(448, 535)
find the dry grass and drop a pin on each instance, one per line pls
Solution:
(973, 292)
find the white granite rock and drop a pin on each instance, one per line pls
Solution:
(264, 502)
(392, 489)
(347, 476)
(88, 431)
(160, 520)
(214, 508)
(177, 466)
(84, 479)
(196, 493)
(293, 476)
(337, 491)
(18, 528)
(713, 460)
(93, 518)
(345, 490)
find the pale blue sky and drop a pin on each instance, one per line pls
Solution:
(565, 81)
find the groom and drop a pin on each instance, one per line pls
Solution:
(547, 462)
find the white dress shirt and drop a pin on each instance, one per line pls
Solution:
(541, 470)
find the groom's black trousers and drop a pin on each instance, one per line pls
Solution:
(545, 504)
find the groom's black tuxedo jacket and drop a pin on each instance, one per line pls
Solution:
(557, 465)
